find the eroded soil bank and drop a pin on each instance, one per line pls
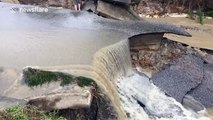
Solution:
(201, 34)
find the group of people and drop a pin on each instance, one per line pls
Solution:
(78, 4)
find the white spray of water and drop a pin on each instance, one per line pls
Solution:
(137, 90)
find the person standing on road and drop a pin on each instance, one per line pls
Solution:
(77, 5)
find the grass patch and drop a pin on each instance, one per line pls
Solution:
(27, 113)
(83, 81)
(201, 17)
(35, 77)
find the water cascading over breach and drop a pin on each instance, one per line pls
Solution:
(127, 89)
(111, 63)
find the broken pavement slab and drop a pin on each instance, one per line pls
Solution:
(183, 75)
(52, 94)
(75, 99)
(204, 92)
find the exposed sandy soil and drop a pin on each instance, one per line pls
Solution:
(202, 35)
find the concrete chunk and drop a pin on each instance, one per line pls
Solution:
(183, 75)
(204, 92)
(81, 98)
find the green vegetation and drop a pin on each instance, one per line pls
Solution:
(83, 81)
(66, 82)
(201, 17)
(27, 113)
(34, 77)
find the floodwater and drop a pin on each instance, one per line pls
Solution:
(50, 40)
(202, 35)
(63, 39)
(48, 48)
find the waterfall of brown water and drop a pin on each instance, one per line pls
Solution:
(109, 64)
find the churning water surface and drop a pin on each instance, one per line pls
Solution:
(52, 47)
(49, 39)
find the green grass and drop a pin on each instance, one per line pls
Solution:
(35, 77)
(83, 81)
(27, 113)
(201, 17)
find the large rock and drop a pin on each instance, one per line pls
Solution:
(183, 75)
(204, 92)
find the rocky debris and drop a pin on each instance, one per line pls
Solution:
(6, 102)
(183, 75)
(203, 93)
(153, 57)
(163, 7)
(156, 7)
(181, 71)
(115, 11)
(148, 8)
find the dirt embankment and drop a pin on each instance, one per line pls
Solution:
(161, 7)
